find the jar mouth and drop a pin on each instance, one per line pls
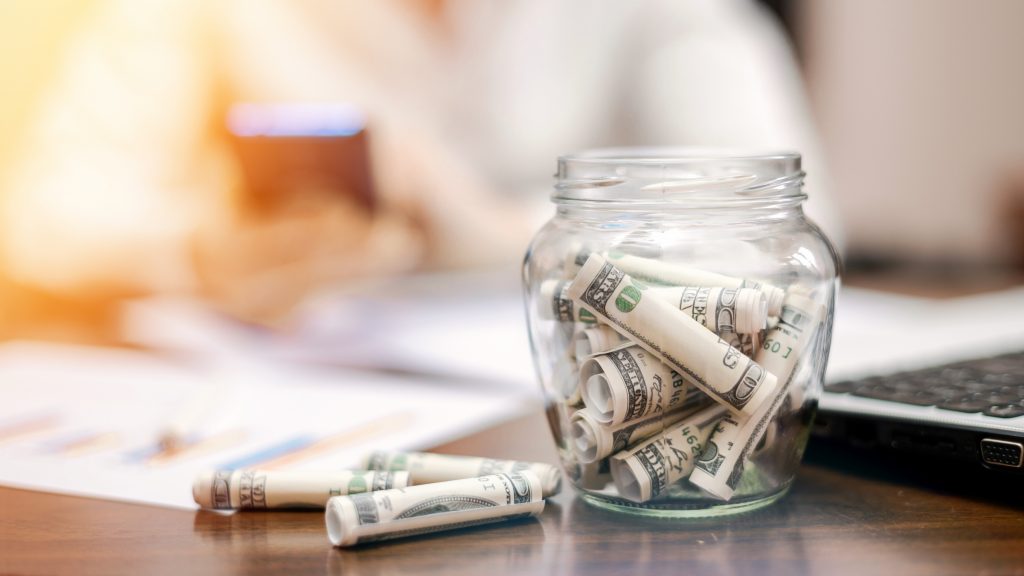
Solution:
(665, 176)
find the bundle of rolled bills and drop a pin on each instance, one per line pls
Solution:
(686, 346)
(644, 472)
(721, 465)
(407, 493)
(376, 516)
(674, 372)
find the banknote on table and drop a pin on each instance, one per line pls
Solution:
(649, 270)
(647, 470)
(703, 358)
(721, 310)
(721, 465)
(426, 508)
(265, 489)
(629, 384)
(427, 468)
(593, 440)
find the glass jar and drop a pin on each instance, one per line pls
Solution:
(680, 310)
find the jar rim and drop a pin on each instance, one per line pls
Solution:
(682, 176)
(674, 155)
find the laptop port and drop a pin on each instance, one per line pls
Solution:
(1002, 452)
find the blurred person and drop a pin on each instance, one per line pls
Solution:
(128, 186)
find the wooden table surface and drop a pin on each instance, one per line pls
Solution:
(846, 514)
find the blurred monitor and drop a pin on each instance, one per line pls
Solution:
(288, 149)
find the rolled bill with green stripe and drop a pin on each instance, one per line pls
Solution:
(388, 514)
(264, 489)
(704, 359)
(654, 271)
(427, 468)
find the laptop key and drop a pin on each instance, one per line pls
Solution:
(917, 399)
(1005, 410)
(970, 405)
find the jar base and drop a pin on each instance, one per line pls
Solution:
(684, 509)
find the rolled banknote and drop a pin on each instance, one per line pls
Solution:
(593, 440)
(566, 380)
(720, 466)
(628, 384)
(647, 470)
(721, 310)
(556, 305)
(574, 259)
(427, 468)
(263, 489)
(657, 272)
(593, 475)
(387, 514)
(721, 371)
(748, 344)
(597, 340)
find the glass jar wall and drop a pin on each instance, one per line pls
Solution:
(680, 311)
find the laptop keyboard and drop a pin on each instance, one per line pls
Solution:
(993, 386)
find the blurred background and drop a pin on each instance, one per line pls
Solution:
(252, 154)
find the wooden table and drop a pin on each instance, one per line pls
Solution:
(846, 514)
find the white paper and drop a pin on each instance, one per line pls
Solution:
(86, 421)
(464, 325)
(879, 333)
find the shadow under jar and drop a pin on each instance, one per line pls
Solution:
(680, 311)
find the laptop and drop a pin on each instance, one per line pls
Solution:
(942, 379)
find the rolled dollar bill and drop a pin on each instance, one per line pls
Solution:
(593, 440)
(628, 384)
(785, 343)
(593, 475)
(721, 310)
(427, 468)
(644, 472)
(720, 466)
(387, 514)
(556, 305)
(566, 380)
(597, 340)
(657, 272)
(704, 359)
(748, 344)
(263, 489)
